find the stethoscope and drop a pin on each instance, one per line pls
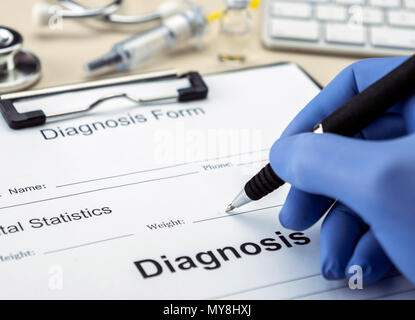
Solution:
(20, 68)
(68, 9)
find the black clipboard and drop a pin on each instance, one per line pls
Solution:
(197, 90)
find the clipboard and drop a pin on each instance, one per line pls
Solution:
(197, 90)
(131, 181)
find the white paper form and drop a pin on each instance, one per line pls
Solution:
(128, 202)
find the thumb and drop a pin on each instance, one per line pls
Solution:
(326, 164)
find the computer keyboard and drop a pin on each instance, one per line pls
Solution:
(360, 27)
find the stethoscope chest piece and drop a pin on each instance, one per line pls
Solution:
(19, 68)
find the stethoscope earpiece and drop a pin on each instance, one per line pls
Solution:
(19, 68)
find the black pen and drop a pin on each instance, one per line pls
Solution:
(348, 120)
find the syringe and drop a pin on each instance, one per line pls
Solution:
(174, 31)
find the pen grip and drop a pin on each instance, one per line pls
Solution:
(373, 102)
(263, 183)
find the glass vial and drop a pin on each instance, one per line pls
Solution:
(235, 26)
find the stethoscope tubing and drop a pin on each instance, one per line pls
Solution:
(74, 10)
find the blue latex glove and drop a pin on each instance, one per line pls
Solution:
(371, 175)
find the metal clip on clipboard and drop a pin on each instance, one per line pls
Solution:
(196, 91)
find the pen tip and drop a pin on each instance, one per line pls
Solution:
(229, 208)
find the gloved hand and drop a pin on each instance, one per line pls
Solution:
(371, 175)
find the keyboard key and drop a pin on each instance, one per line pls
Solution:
(294, 29)
(392, 37)
(410, 4)
(310, 1)
(402, 18)
(385, 3)
(345, 33)
(291, 9)
(365, 15)
(331, 12)
(350, 1)
(372, 15)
